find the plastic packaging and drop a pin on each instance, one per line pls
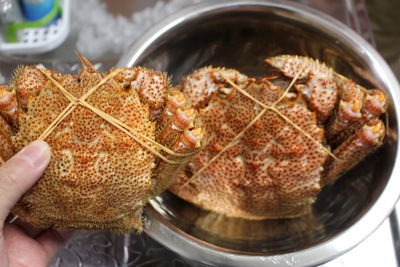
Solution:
(39, 36)
(36, 9)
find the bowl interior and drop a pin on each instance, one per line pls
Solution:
(241, 39)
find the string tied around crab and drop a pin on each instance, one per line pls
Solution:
(138, 137)
(255, 119)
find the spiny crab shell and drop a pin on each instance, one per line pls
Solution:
(98, 177)
(274, 170)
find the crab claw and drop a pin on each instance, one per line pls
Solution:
(319, 89)
(151, 86)
(203, 83)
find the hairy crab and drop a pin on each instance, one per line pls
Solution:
(100, 176)
(270, 150)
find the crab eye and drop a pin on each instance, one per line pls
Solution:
(78, 80)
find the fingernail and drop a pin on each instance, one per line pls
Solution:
(36, 153)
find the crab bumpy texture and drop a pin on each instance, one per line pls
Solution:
(274, 170)
(98, 177)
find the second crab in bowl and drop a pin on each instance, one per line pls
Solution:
(275, 142)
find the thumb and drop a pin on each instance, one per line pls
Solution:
(19, 173)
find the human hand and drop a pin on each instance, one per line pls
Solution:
(20, 243)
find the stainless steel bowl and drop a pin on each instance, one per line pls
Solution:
(240, 34)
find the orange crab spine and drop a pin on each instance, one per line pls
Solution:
(87, 66)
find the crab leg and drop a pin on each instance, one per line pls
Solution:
(179, 120)
(180, 129)
(175, 118)
(354, 149)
